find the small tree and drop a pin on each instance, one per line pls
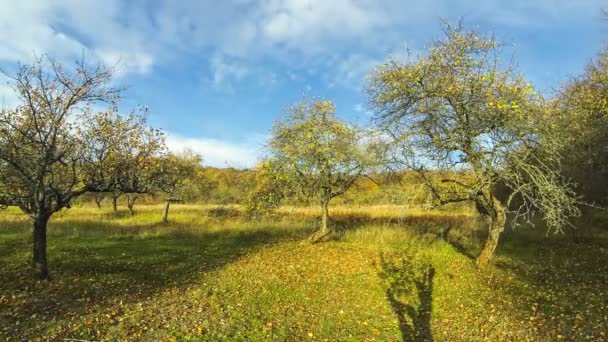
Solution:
(139, 171)
(53, 148)
(269, 187)
(322, 156)
(129, 149)
(176, 170)
(458, 111)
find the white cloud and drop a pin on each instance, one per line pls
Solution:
(307, 23)
(350, 71)
(26, 29)
(227, 72)
(126, 61)
(216, 152)
(224, 71)
(65, 29)
(348, 35)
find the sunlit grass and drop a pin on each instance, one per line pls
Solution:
(211, 274)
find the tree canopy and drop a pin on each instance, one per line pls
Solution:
(461, 110)
(320, 155)
(176, 171)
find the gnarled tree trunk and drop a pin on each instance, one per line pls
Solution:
(324, 230)
(497, 214)
(39, 262)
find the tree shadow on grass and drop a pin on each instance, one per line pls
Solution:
(552, 279)
(409, 282)
(433, 222)
(467, 246)
(460, 231)
(94, 272)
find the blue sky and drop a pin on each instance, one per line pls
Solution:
(215, 74)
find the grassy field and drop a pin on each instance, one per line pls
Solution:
(391, 274)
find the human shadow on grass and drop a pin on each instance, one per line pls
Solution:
(95, 272)
(408, 281)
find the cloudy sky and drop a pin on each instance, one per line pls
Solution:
(215, 74)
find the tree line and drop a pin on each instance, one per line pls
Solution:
(469, 127)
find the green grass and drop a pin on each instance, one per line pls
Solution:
(209, 275)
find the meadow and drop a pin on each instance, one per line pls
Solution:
(391, 273)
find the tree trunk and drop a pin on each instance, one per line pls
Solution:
(98, 202)
(130, 203)
(115, 203)
(498, 218)
(576, 235)
(324, 230)
(166, 212)
(39, 262)
(325, 217)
